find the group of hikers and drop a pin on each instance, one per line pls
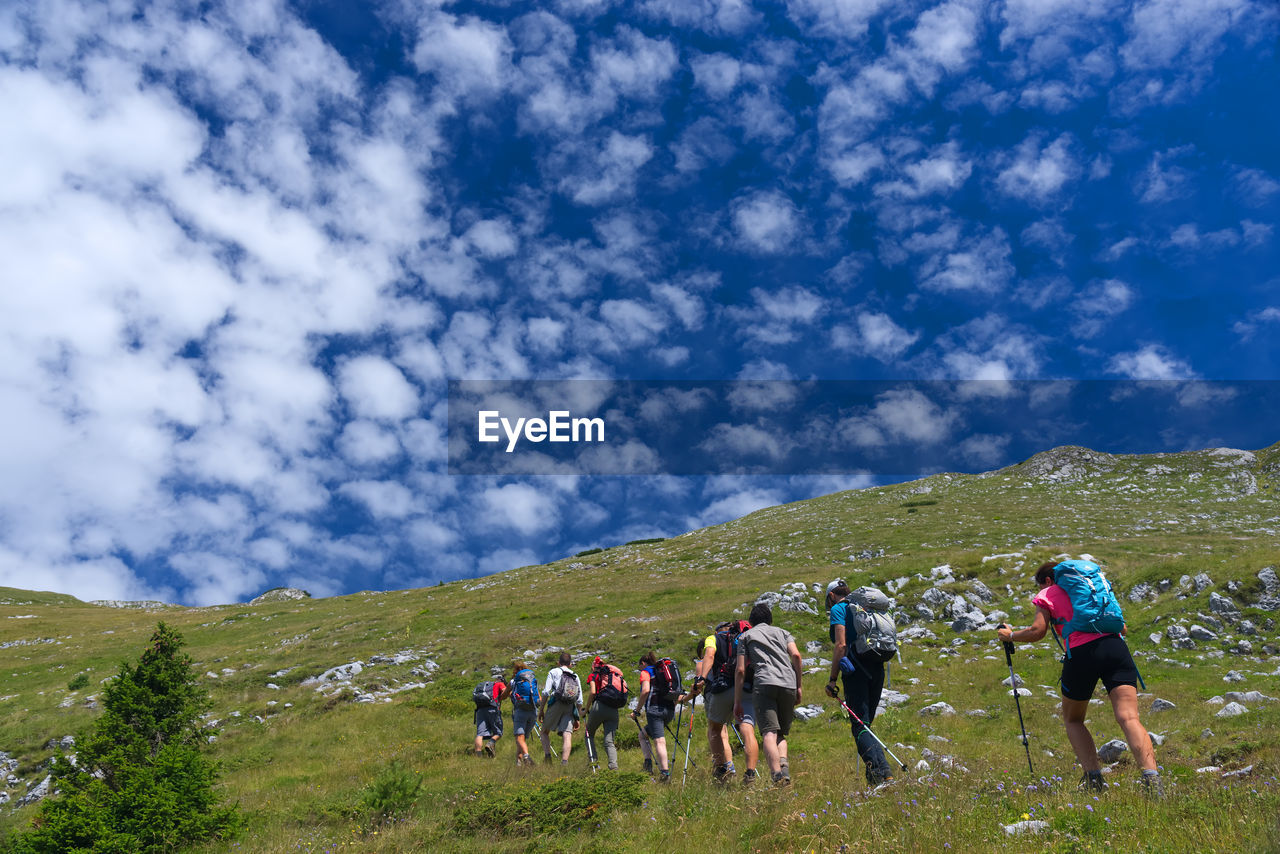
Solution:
(749, 674)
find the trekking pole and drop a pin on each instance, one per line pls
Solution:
(676, 738)
(1013, 682)
(689, 744)
(741, 743)
(857, 720)
(538, 730)
(591, 752)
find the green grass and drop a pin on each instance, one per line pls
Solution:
(301, 774)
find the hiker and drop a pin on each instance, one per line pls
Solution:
(715, 674)
(488, 697)
(1090, 656)
(606, 694)
(558, 711)
(863, 680)
(660, 691)
(776, 691)
(524, 709)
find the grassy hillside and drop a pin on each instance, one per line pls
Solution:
(299, 759)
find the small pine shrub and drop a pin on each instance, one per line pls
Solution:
(78, 681)
(393, 792)
(141, 784)
(559, 807)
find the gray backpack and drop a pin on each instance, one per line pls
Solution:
(868, 621)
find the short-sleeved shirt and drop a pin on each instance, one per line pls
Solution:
(1056, 601)
(552, 686)
(766, 646)
(839, 614)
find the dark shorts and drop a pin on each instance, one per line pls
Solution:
(656, 719)
(1106, 658)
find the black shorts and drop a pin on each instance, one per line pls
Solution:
(1106, 658)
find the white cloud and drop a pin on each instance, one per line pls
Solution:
(468, 55)
(375, 388)
(875, 334)
(716, 73)
(1098, 303)
(382, 499)
(631, 323)
(984, 449)
(1150, 362)
(1248, 327)
(766, 222)
(978, 264)
(1038, 174)
(946, 35)
(492, 238)
(898, 416)
(1164, 179)
(609, 171)
(844, 19)
(686, 306)
(734, 506)
(943, 171)
(519, 507)
(500, 560)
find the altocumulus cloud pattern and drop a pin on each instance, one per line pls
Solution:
(248, 244)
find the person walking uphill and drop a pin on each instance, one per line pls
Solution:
(488, 697)
(561, 697)
(524, 709)
(660, 691)
(606, 694)
(1090, 656)
(863, 682)
(777, 690)
(715, 673)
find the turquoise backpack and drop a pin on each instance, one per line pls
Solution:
(1093, 604)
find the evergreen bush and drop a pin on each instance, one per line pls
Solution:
(140, 783)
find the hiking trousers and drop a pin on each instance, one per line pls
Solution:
(862, 690)
(606, 716)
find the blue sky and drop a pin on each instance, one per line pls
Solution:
(247, 244)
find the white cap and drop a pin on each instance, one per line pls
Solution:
(833, 585)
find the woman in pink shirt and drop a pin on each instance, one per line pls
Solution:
(1093, 657)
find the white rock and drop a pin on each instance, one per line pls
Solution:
(938, 709)
(1020, 827)
(1230, 710)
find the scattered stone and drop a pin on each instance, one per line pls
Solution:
(1159, 705)
(1248, 697)
(1142, 592)
(1247, 627)
(1156, 738)
(1112, 750)
(916, 633)
(1239, 773)
(807, 713)
(1019, 828)
(1270, 599)
(1202, 581)
(1206, 733)
(814, 646)
(280, 594)
(937, 597)
(1200, 633)
(1215, 701)
(1222, 605)
(922, 765)
(793, 598)
(977, 588)
(273, 686)
(1155, 637)
(1177, 632)
(1233, 676)
(1022, 692)
(1209, 769)
(40, 792)
(938, 709)
(1231, 710)
(341, 673)
(1014, 681)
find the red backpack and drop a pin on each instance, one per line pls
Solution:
(611, 688)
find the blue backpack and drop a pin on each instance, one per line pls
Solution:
(1094, 606)
(524, 690)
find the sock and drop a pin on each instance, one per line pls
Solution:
(1150, 772)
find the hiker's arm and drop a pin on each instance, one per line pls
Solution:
(837, 652)
(740, 676)
(1032, 633)
(797, 665)
(703, 668)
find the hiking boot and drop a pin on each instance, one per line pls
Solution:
(546, 759)
(648, 766)
(488, 750)
(1092, 781)
(781, 778)
(750, 776)
(1153, 787)
(664, 777)
(722, 773)
(883, 783)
